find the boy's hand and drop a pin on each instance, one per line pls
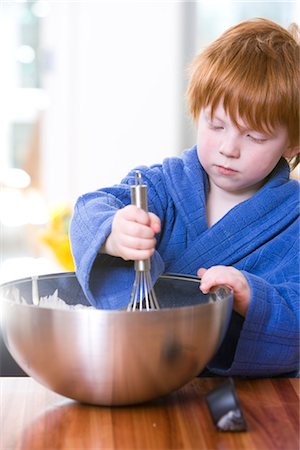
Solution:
(133, 234)
(231, 277)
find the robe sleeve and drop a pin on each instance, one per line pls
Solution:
(267, 340)
(106, 281)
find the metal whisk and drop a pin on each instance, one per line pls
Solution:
(143, 294)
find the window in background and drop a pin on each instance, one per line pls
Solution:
(212, 20)
(207, 20)
(22, 209)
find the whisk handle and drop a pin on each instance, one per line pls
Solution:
(139, 192)
(139, 198)
(142, 265)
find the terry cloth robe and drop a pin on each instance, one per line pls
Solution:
(260, 237)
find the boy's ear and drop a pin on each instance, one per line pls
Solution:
(290, 152)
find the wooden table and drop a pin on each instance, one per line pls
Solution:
(33, 417)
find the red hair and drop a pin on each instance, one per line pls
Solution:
(253, 68)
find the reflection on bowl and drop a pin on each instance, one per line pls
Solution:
(114, 357)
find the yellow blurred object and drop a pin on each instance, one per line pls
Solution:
(57, 236)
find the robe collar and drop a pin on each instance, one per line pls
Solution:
(245, 227)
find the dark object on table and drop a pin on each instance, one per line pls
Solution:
(225, 408)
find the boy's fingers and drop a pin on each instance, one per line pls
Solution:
(135, 214)
(136, 254)
(142, 217)
(138, 242)
(201, 272)
(154, 222)
(136, 230)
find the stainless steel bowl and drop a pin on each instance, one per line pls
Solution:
(114, 357)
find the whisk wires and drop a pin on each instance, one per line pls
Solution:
(143, 295)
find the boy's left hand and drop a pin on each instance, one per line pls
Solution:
(231, 277)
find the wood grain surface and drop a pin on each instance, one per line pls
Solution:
(35, 418)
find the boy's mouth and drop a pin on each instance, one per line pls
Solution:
(225, 170)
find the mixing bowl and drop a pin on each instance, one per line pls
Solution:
(115, 357)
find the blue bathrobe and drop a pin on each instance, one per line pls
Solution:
(260, 237)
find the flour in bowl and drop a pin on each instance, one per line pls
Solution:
(50, 301)
(53, 301)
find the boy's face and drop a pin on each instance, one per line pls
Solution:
(237, 160)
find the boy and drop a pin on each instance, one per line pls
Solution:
(226, 209)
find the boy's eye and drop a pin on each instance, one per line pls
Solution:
(258, 140)
(213, 123)
(214, 126)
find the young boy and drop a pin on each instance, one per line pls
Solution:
(226, 210)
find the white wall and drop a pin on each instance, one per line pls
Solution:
(112, 72)
(115, 72)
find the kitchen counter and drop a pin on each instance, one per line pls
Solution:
(35, 418)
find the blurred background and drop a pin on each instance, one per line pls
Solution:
(88, 90)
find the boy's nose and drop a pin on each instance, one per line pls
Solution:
(230, 148)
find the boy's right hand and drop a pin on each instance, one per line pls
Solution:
(132, 235)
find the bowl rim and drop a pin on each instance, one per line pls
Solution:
(91, 309)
